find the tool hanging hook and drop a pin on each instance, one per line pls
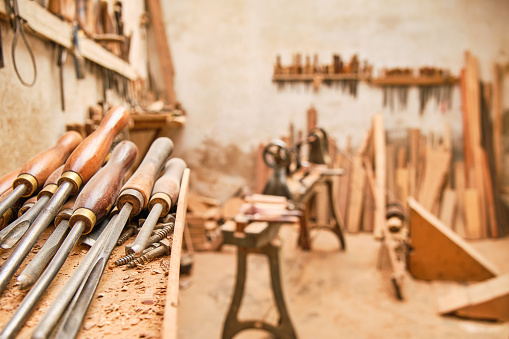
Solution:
(17, 25)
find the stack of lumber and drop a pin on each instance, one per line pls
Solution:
(464, 192)
(202, 221)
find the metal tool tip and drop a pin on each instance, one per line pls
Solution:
(25, 281)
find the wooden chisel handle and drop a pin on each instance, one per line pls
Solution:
(89, 156)
(99, 194)
(136, 190)
(7, 180)
(167, 187)
(50, 186)
(35, 172)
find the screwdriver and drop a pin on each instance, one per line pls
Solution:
(92, 204)
(164, 197)
(7, 180)
(79, 168)
(10, 235)
(35, 172)
(35, 267)
(131, 201)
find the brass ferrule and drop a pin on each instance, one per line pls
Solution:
(72, 177)
(29, 181)
(163, 199)
(84, 215)
(48, 190)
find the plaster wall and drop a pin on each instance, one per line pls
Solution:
(224, 51)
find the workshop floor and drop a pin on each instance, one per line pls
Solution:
(329, 293)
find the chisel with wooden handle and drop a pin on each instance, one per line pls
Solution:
(92, 204)
(35, 267)
(131, 201)
(10, 235)
(7, 180)
(164, 196)
(81, 165)
(35, 172)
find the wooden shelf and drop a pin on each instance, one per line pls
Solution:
(323, 77)
(414, 81)
(146, 121)
(49, 26)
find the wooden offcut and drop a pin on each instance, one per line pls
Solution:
(439, 253)
(356, 196)
(472, 214)
(448, 207)
(163, 49)
(437, 167)
(169, 328)
(486, 300)
(380, 173)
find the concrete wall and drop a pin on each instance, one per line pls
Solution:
(31, 119)
(224, 53)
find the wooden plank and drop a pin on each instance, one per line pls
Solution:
(472, 214)
(437, 167)
(474, 125)
(401, 159)
(490, 198)
(497, 121)
(169, 328)
(379, 141)
(467, 151)
(486, 300)
(459, 186)
(439, 253)
(49, 26)
(414, 136)
(344, 189)
(368, 215)
(356, 195)
(163, 49)
(402, 185)
(448, 207)
(391, 170)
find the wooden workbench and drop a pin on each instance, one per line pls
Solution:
(128, 303)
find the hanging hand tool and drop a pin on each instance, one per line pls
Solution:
(79, 61)
(79, 168)
(36, 170)
(92, 204)
(62, 58)
(35, 267)
(10, 235)
(164, 196)
(17, 22)
(131, 201)
(7, 180)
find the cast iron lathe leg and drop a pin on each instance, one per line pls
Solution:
(232, 325)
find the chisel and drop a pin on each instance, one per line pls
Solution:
(131, 201)
(27, 205)
(12, 233)
(164, 197)
(35, 172)
(35, 267)
(8, 215)
(7, 180)
(92, 204)
(79, 168)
